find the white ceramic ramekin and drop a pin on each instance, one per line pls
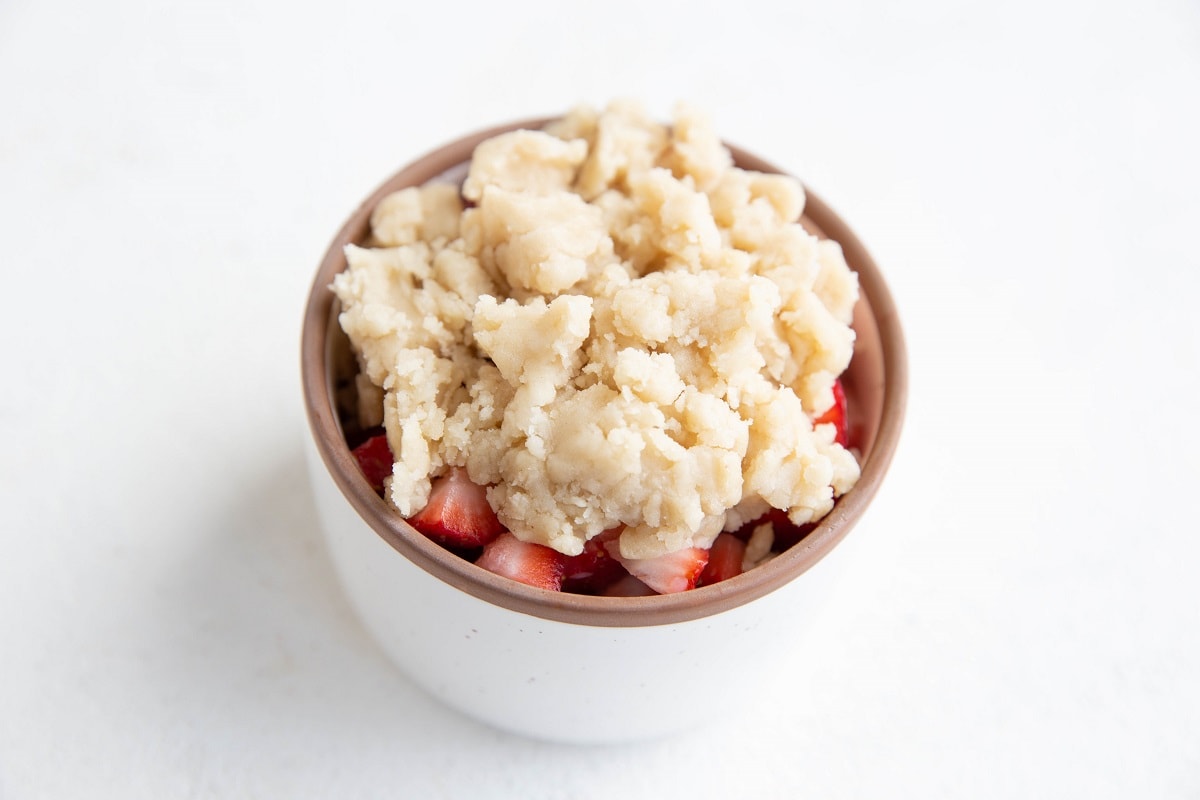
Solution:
(571, 667)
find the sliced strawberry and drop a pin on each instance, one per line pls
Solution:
(593, 569)
(457, 514)
(724, 559)
(375, 460)
(665, 574)
(836, 415)
(628, 586)
(534, 564)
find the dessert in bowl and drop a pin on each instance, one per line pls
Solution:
(629, 283)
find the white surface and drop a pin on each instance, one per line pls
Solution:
(1023, 618)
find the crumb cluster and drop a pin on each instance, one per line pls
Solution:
(610, 325)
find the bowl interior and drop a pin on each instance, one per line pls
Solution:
(875, 384)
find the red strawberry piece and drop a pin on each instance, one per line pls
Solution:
(457, 514)
(628, 586)
(375, 460)
(724, 559)
(787, 533)
(533, 564)
(593, 569)
(776, 517)
(665, 574)
(836, 415)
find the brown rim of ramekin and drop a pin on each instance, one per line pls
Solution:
(562, 606)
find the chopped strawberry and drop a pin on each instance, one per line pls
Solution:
(457, 514)
(375, 460)
(593, 569)
(534, 564)
(836, 415)
(787, 533)
(628, 586)
(665, 574)
(724, 559)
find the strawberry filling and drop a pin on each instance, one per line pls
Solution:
(374, 458)
(457, 514)
(594, 569)
(459, 517)
(724, 559)
(665, 574)
(836, 415)
(532, 564)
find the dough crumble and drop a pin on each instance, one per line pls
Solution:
(611, 326)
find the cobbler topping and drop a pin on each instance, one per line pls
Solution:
(612, 329)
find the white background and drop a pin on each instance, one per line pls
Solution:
(1021, 618)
